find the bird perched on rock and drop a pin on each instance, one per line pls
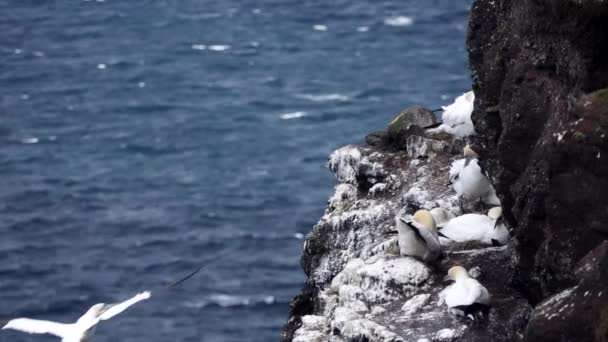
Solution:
(466, 296)
(418, 236)
(441, 215)
(489, 229)
(456, 118)
(468, 181)
(80, 331)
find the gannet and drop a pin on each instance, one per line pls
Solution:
(489, 229)
(468, 181)
(456, 118)
(441, 215)
(466, 296)
(82, 329)
(418, 236)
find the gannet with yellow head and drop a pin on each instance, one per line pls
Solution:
(466, 296)
(418, 236)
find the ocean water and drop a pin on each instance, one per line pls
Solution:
(141, 139)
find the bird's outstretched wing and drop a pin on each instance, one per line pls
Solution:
(35, 326)
(114, 309)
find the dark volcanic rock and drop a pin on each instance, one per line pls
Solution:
(543, 141)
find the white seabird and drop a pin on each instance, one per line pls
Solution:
(82, 329)
(466, 296)
(456, 118)
(468, 181)
(418, 236)
(489, 229)
(441, 215)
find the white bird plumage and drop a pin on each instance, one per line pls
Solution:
(489, 229)
(468, 181)
(441, 215)
(466, 296)
(82, 329)
(456, 118)
(418, 236)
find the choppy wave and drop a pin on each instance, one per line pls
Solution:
(399, 20)
(217, 48)
(227, 301)
(325, 97)
(292, 115)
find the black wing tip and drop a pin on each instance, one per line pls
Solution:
(190, 275)
(471, 309)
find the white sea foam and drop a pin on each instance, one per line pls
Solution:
(203, 47)
(293, 115)
(324, 97)
(101, 66)
(362, 29)
(319, 27)
(399, 21)
(218, 47)
(199, 47)
(30, 140)
(298, 236)
(226, 301)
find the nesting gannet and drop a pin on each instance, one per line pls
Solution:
(489, 229)
(468, 181)
(441, 215)
(418, 236)
(466, 296)
(82, 329)
(456, 118)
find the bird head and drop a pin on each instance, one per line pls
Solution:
(469, 96)
(441, 215)
(424, 219)
(469, 152)
(495, 213)
(456, 272)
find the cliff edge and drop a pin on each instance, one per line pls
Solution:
(540, 72)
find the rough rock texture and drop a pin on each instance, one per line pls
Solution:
(540, 76)
(538, 69)
(359, 289)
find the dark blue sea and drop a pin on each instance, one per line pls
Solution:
(141, 139)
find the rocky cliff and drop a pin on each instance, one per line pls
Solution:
(539, 69)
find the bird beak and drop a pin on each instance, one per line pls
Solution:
(500, 220)
(467, 160)
(447, 278)
(408, 222)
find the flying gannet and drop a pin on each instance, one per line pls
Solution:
(466, 296)
(489, 229)
(82, 330)
(418, 236)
